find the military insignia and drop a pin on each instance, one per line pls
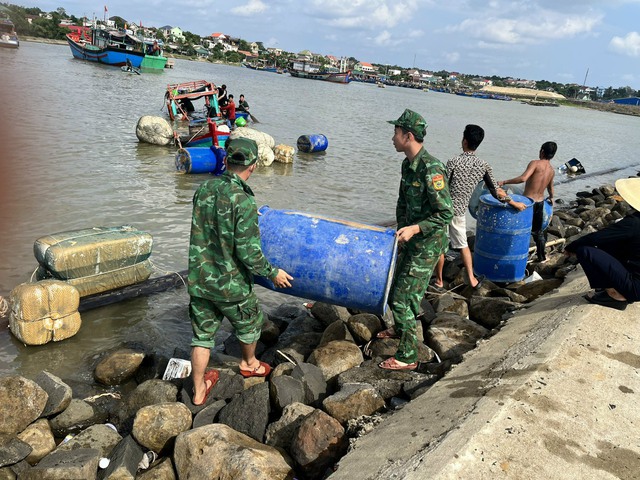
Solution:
(416, 184)
(438, 182)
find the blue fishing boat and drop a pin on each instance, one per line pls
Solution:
(112, 47)
(8, 36)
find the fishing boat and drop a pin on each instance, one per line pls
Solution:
(179, 98)
(112, 47)
(262, 66)
(8, 37)
(304, 69)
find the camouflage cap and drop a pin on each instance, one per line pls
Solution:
(411, 122)
(242, 151)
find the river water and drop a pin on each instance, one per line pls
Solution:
(71, 160)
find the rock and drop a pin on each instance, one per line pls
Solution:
(451, 336)
(76, 417)
(285, 390)
(387, 347)
(388, 383)
(338, 330)
(489, 312)
(511, 295)
(208, 414)
(218, 451)
(118, 367)
(363, 327)
(151, 392)
(318, 444)
(59, 393)
(280, 433)
(22, 401)
(81, 463)
(154, 130)
(123, 461)
(336, 357)
(313, 383)
(13, 450)
(99, 437)
(328, 314)
(534, 290)
(152, 366)
(39, 437)
(450, 302)
(352, 401)
(156, 426)
(248, 412)
(284, 153)
(163, 470)
(269, 333)
(13, 471)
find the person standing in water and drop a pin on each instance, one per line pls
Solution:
(538, 177)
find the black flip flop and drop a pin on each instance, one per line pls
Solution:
(603, 298)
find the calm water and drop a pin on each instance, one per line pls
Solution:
(71, 160)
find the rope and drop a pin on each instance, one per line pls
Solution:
(4, 306)
(166, 271)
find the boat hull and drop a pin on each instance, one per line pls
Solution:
(341, 77)
(114, 56)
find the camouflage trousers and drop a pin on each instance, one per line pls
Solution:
(413, 271)
(245, 316)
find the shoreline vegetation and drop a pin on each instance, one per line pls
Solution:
(516, 93)
(325, 392)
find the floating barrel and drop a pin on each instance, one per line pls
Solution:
(200, 160)
(502, 239)
(312, 143)
(334, 261)
(244, 115)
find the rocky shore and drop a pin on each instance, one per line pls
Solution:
(325, 392)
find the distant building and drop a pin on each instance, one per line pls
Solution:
(365, 67)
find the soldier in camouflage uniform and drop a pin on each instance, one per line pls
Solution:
(224, 255)
(423, 212)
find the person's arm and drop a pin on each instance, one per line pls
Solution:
(522, 178)
(550, 188)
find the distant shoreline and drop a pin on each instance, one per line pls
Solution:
(603, 107)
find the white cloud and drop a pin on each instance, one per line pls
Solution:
(252, 8)
(365, 13)
(627, 45)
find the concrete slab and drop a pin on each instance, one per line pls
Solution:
(554, 394)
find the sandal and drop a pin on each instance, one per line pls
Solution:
(254, 372)
(388, 333)
(212, 376)
(392, 364)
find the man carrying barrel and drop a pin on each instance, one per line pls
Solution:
(224, 255)
(423, 213)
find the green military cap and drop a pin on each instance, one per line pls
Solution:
(242, 151)
(411, 122)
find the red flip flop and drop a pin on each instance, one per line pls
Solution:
(254, 372)
(388, 333)
(392, 364)
(212, 376)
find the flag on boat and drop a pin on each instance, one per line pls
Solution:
(105, 9)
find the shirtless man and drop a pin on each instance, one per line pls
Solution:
(538, 176)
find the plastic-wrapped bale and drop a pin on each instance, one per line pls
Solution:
(265, 155)
(92, 251)
(103, 282)
(284, 153)
(253, 134)
(44, 311)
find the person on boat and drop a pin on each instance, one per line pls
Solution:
(229, 112)
(224, 255)
(222, 95)
(154, 49)
(243, 105)
(610, 257)
(129, 66)
(538, 177)
(464, 172)
(423, 212)
(187, 105)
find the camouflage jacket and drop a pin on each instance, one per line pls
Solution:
(424, 200)
(225, 251)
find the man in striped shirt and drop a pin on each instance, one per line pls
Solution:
(464, 171)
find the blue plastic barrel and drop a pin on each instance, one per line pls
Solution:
(200, 160)
(244, 115)
(334, 261)
(312, 143)
(502, 239)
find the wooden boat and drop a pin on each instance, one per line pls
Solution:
(8, 37)
(303, 69)
(111, 47)
(179, 96)
(262, 67)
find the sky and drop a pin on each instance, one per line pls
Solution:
(564, 41)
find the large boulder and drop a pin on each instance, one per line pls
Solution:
(22, 401)
(154, 130)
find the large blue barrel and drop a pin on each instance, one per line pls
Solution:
(312, 143)
(200, 160)
(502, 239)
(244, 115)
(334, 261)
